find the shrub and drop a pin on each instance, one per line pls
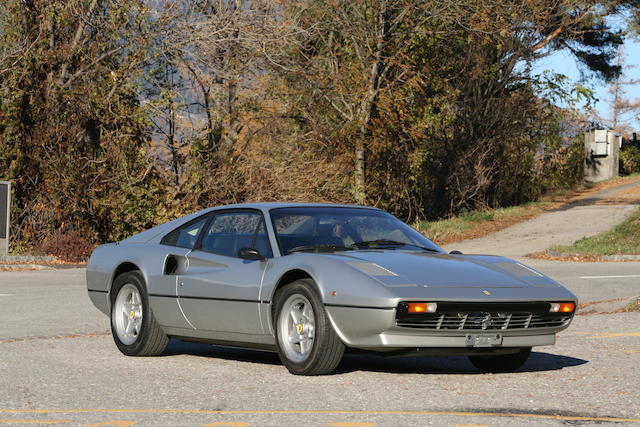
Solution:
(67, 245)
(630, 159)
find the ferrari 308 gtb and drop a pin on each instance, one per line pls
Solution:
(311, 280)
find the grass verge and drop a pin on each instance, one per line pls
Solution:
(623, 239)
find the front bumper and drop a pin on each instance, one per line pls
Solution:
(376, 329)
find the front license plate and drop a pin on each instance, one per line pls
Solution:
(483, 340)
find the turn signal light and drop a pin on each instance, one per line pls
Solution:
(562, 307)
(422, 307)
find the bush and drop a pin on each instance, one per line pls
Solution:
(67, 245)
(630, 160)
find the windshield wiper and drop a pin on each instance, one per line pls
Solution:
(386, 242)
(318, 248)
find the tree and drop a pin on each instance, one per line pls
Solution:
(118, 114)
(623, 110)
(355, 50)
(350, 52)
(72, 133)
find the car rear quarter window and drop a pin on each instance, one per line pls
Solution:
(186, 235)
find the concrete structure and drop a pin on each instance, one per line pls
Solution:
(5, 204)
(602, 155)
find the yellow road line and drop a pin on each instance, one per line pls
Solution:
(115, 424)
(324, 412)
(8, 421)
(612, 335)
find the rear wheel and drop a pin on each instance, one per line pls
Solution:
(133, 326)
(306, 341)
(501, 363)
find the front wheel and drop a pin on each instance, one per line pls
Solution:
(501, 363)
(306, 341)
(134, 329)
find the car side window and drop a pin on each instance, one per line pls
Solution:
(186, 235)
(228, 232)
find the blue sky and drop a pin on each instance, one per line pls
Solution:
(564, 63)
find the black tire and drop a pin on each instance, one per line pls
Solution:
(501, 363)
(151, 339)
(326, 349)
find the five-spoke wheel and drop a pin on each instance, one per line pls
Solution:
(297, 327)
(133, 326)
(127, 312)
(306, 341)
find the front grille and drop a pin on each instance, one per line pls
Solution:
(496, 317)
(474, 321)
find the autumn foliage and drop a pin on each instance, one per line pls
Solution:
(116, 115)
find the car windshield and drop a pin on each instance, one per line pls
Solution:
(330, 229)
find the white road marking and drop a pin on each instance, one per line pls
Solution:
(5, 295)
(630, 276)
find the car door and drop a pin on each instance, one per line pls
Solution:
(219, 291)
(171, 259)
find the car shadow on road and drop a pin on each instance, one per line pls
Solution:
(177, 347)
(537, 362)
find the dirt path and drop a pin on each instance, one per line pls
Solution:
(564, 225)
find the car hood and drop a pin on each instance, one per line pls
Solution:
(399, 267)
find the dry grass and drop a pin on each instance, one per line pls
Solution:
(633, 305)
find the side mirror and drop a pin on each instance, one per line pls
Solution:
(455, 253)
(250, 253)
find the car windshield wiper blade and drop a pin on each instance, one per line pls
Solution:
(386, 242)
(318, 248)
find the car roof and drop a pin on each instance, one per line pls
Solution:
(157, 232)
(275, 205)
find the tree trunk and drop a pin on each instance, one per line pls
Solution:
(368, 107)
(234, 125)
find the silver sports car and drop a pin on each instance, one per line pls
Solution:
(310, 280)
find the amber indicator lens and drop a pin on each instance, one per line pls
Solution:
(417, 307)
(562, 307)
(422, 307)
(567, 307)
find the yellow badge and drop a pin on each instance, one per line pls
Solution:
(300, 328)
(486, 292)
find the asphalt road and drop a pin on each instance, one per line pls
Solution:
(59, 366)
